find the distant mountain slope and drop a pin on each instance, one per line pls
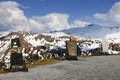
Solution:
(91, 31)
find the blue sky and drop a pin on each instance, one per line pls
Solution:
(75, 8)
(47, 15)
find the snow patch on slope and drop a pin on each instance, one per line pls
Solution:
(4, 45)
(55, 34)
(114, 37)
(4, 33)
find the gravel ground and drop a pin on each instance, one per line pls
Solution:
(91, 68)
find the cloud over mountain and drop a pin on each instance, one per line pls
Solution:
(13, 18)
(113, 15)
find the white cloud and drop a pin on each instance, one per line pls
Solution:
(11, 14)
(53, 21)
(12, 17)
(79, 23)
(113, 15)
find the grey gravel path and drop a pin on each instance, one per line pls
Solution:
(91, 68)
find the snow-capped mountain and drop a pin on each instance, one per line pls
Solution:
(57, 38)
(92, 31)
(32, 45)
(33, 40)
(54, 41)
